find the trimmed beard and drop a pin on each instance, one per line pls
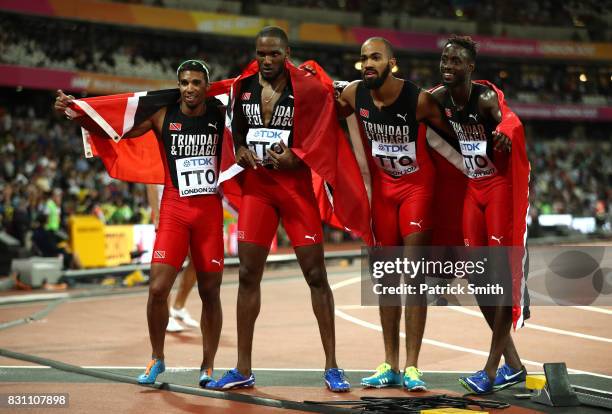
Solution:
(376, 83)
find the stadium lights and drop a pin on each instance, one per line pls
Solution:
(583, 77)
(395, 69)
(459, 13)
(358, 65)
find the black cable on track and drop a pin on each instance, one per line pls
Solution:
(223, 395)
(412, 405)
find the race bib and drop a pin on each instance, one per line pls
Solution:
(477, 163)
(197, 175)
(259, 140)
(395, 159)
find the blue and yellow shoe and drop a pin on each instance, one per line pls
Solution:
(232, 379)
(478, 383)
(155, 367)
(413, 381)
(205, 377)
(384, 377)
(508, 376)
(336, 381)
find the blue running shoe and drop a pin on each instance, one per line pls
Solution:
(336, 381)
(508, 376)
(232, 379)
(205, 377)
(413, 381)
(384, 377)
(155, 367)
(478, 383)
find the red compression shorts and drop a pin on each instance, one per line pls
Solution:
(190, 223)
(487, 212)
(401, 206)
(270, 195)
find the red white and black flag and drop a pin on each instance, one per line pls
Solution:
(112, 116)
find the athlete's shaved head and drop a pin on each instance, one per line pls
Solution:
(377, 61)
(465, 42)
(388, 45)
(274, 31)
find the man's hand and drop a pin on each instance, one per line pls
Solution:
(283, 158)
(501, 142)
(339, 87)
(62, 101)
(246, 158)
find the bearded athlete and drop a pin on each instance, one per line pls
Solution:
(389, 111)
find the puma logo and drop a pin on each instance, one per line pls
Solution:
(473, 116)
(402, 116)
(217, 262)
(497, 239)
(291, 97)
(212, 125)
(310, 237)
(416, 223)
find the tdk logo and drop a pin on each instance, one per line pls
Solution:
(263, 133)
(469, 146)
(393, 148)
(198, 162)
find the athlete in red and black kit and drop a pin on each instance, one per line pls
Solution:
(191, 215)
(389, 111)
(474, 113)
(277, 185)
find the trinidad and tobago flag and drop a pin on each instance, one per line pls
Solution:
(135, 159)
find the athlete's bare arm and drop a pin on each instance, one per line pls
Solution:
(428, 111)
(154, 122)
(345, 103)
(488, 105)
(240, 126)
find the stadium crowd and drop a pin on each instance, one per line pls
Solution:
(88, 47)
(45, 178)
(573, 13)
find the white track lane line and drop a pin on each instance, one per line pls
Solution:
(594, 309)
(535, 326)
(439, 344)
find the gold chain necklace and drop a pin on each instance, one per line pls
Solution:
(271, 96)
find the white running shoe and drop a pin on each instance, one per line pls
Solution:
(184, 316)
(174, 325)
